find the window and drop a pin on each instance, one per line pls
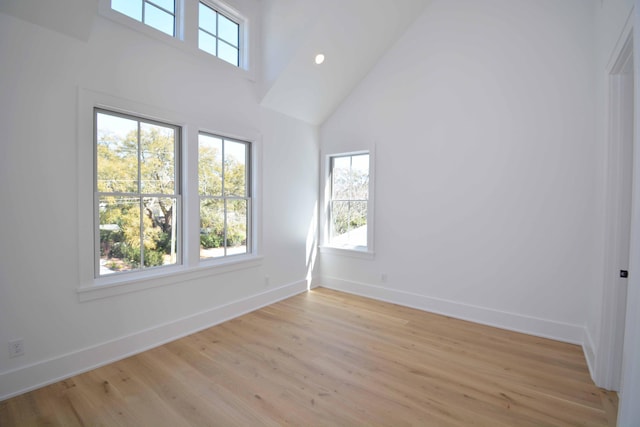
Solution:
(204, 28)
(225, 196)
(159, 14)
(348, 204)
(218, 35)
(137, 193)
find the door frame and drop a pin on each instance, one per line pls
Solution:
(618, 203)
(629, 410)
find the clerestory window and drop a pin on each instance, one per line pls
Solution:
(209, 26)
(159, 14)
(218, 34)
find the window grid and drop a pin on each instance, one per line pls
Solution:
(348, 213)
(222, 241)
(218, 38)
(144, 13)
(117, 198)
(220, 31)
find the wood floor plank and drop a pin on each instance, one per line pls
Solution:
(329, 358)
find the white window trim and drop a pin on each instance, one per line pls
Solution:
(186, 29)
(192, 267)
(325, 245)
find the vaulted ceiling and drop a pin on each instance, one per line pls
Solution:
(352, 34)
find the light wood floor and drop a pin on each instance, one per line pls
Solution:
(327, 358)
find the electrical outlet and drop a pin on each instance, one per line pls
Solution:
(16, 348)
(383, 277)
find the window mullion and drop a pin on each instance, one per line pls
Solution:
(224, 241)
(220, 39)
(208, 32)
(161, 8)
(224, 181)
(217, 41)
(141, 202)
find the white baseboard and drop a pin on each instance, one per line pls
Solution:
(558, 331)
(31, 377)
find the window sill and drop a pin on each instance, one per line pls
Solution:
(122, 284)
(355, 253)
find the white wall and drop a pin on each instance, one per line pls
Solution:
(486, 196)
(41, 74)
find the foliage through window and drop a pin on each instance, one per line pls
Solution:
(225, 196)
(137, 193)
(218, 35)
(348, 207)
(159, 14)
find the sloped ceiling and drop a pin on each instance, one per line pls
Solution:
(71, 17)
(352, 34)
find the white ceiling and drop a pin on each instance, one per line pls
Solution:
(353, 35)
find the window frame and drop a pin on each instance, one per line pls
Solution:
(186, 28)
(326, 246)
(219, 10)
(249, 167)
(92, 288)
(177, 194)
(107, 9)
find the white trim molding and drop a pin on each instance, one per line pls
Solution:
(628, 409)
(606, 358)
(31, 377)
(573, 334)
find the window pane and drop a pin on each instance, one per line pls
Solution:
(117, 154)
(211, 228)
(209, 165)
(158, 19)
(235, 156)
(207, 19)
(237, 227)
(207, 42)
(359, 177)
(339, 218)
(360, 163)
(160, 236)
(349, 223)
(131, 8)
(165, 4)
(340, 188)
(228, 30)
(350, 178)
(119, 219)
(157, 159)
(228, 53)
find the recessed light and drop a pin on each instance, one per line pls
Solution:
(319, 58)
